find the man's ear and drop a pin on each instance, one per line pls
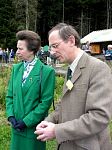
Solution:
(71, 40)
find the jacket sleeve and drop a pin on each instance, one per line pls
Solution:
(98, 108)
(46, 98)
(54, 116)
(9, 97)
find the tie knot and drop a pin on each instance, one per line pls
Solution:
(69, 73)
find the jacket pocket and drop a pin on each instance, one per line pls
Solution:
(90, 143)
(70, 145)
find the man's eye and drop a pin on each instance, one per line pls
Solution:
(54, 46)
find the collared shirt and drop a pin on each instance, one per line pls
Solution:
(28, 66)
(75, 62)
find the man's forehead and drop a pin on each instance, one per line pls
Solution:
(54, 33)
(54, 36)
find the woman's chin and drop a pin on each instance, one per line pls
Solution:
(20, 58)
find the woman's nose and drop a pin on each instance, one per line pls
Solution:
(17, 52)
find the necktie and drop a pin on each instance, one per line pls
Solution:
(69, 74)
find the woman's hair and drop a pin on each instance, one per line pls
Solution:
(65, 31)
(33, 39)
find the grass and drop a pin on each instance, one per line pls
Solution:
(5, 127)
(110, 127)
(4, 137)
(5, 134)
(5, 131)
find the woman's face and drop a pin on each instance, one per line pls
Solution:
(22, 51)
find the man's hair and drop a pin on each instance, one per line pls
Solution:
(65, 31)
(33, 39)
(109, 46)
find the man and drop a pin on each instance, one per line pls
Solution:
(108, 53)
(1, 54)
(80, 121)
(86, 47)
(30, 93)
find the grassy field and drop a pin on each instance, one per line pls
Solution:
(4, 125)
(5, 134)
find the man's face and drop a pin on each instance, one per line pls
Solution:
(22, 51)
(59, 48)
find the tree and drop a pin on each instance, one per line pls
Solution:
(41, 15)
(109, 10)
(26, 14)
(7, 24)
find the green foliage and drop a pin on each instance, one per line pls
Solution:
(4, 126)
(110, 128)
(58, 87)
(58, 91)
(4, 78)
(88, 1)
(7, 24)
(4, 132)
(5, 135)
(51, 145)
(43, 14)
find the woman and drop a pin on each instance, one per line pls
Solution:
(30, 93)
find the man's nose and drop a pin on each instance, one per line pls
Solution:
(52, 52)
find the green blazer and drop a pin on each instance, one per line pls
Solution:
(31, 102)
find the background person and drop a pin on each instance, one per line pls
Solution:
(1, 55)
(11, 56)
(30, 93)
(87, 47)
(108, 53)
(80, 121)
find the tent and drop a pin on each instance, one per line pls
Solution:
(98, 36)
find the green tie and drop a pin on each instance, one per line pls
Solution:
(69, 74)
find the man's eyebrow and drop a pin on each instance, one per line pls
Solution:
(54, 43)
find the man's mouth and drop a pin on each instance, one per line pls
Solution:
(54, 56)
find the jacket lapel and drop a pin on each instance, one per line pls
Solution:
(33, 76)
(77, 73)
(18, 87)
(20, 75)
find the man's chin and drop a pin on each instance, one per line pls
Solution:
(60, 58)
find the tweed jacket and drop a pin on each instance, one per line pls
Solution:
(83, 114)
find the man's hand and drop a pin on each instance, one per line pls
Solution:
(45, 131)
(43, 124)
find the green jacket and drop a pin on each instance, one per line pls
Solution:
(31, 102)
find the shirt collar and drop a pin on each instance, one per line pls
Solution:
(75, 62)
(31, 63)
